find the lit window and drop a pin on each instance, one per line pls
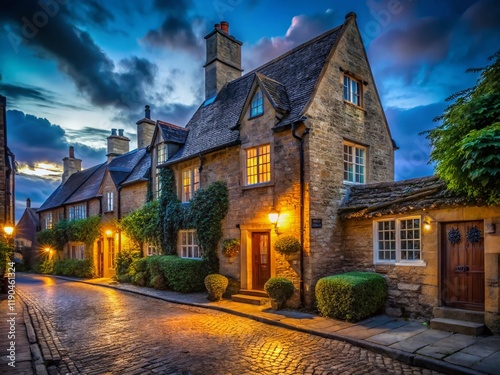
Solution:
(151, 249)
(78, 212)
(258, 165)
(109, 201)
(190, 183)
(189, 244)
(111, 252)
(161, 153)
(354, 163)
(352, 90)
(397, 240)
(77, 251)
(48, 221)
(257, 105)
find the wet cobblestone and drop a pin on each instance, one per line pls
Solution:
(95, 330)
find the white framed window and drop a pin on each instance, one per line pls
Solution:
(190, 183)
(161, 153)
(158, 184)
(398, 241)
(352, 90)
(48, 221)
(258, 165)
(257, 104)
(151, 249)
(111, 252)
(188, 244)
(110, 201)
(77, 212)
(354, 163)
(76, 251)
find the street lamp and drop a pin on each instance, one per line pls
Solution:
(274, 215)
(8, 229)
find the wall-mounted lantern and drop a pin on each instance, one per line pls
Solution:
(274, 215)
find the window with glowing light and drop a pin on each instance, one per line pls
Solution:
(190, 183)
(397, 240)
(77, 212)
(188, 244)
(48, 221)
(354, 163)
(109, 201)
(76, 251)
(352, 90)
(161, 156)
(257, 104)
(151, 249)
(258, 165)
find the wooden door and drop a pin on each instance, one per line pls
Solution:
(261, 263)
(100, 259)
(463, 265)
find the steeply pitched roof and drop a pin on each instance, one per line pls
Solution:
(296, 73)
(85, 185)
(277, 92)
(31, 212)
(387, 198)
(64, 191)
(173, 133)
(140, 171)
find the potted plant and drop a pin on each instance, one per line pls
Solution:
(279, 289)
(287, 246)
(230, 247)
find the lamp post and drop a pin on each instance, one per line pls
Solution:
(7, 251)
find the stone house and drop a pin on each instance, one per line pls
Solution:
(25, 234)
(288, 137)
(7, 172)
(109, 190)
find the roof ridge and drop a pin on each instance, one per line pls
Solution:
(161, 122)
(292, 51)
(268, 78)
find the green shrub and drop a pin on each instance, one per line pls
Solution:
(184, 275)
(230, 247)
(124, 259)
(279, 288)
(287, 245)
(139, 266)
(233, 287)
(140, 279)
(46, 266)
(159, 282)
(216, 286)
(351, 296)
(74, 267)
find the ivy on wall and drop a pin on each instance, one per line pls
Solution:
(204, 213)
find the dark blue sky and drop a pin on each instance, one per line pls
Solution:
(72, 70)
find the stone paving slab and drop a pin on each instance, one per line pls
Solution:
(448, 346)
(485, 347)
(489, 365)
(424, 338)
(398, 334)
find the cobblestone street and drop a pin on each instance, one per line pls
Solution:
(95, 330)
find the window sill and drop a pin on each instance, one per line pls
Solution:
(416, 263)
(254, 117)
(354, 105)
(250, 187)
(353, 183)
(109, 212)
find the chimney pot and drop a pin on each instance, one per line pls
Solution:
(28, 203)
(71, 152)
(217, 26)
(113, 131)
(120, 132)
(224, 26)
(147, 112)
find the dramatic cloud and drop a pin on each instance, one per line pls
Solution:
(177, 30)
(302, 28)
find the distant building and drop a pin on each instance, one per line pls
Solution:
(25, 235)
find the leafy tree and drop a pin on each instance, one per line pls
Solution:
(466, 146)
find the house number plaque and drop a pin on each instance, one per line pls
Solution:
(316, 223)
(461, 268)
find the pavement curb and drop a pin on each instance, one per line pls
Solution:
(37, 361)
(399, 355)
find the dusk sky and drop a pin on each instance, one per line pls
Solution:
(72, 70)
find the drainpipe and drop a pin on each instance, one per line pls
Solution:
(119, 214)
(302, 189)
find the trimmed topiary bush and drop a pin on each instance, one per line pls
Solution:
(287, 245)
(279, 289)
(216, 286)
(74, 267)
(184, 275)
(351, 296)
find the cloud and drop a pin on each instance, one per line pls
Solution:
(178, 28)
(301, 29)
(78, 56)
(35, 188)
(34, 140)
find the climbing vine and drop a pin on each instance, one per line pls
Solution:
(142, 225)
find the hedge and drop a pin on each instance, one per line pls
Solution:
(168, 272)
(351, 296)
(74, 267)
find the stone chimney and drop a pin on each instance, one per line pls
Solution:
(223, 59)
(70, 165)
(118, 144)
(28, 203)
(145, 129)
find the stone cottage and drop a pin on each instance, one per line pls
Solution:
(288, 137)
(25, 234)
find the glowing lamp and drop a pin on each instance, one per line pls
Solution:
(273, 218)
(8, 229)
(109, 232)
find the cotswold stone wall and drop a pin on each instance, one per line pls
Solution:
(132, 197)
(333, 121)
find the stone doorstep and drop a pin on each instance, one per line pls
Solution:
(252, 300)
(458, 314)
(256, 293)
(458, 326)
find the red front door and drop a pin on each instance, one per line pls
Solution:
(261, 265)
(463, 265)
